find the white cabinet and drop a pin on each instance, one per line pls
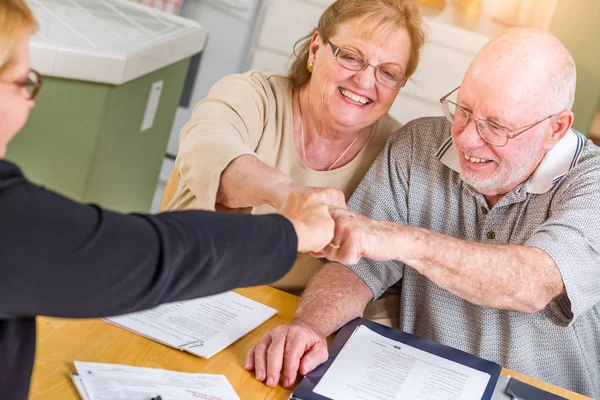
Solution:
(444, 60)
(110, 42)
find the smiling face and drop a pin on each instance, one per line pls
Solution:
(14, 101)
(495, 170)
(509, 83)
(354, 99)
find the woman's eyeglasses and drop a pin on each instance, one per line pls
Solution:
(389, 75)
(32, 84)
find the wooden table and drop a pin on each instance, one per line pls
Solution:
(61, 341)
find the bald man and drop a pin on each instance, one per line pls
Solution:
(488, 219)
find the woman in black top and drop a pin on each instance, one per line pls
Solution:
(62, 258)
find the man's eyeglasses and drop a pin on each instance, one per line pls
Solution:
(32, 84)
(491, 132)
(389, 75)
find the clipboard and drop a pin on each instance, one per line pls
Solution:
(304, 391)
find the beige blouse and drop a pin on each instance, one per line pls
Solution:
(251, 113)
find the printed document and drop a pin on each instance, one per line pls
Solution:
(111, 381)
(372, 366)
(202, 326)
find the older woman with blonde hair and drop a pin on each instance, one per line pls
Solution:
(61, 258)
(257, 137)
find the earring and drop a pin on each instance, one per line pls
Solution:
(310, 67)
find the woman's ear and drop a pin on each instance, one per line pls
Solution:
(315, 44)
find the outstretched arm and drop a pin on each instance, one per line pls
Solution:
(249, 182)
(498, 276)
(217, 158)
(66, 259)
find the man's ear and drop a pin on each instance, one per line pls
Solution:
(561, 123)
(315, 43)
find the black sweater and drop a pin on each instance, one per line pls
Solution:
(64, 259)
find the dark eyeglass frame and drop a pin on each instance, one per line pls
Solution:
(32, 86)
(444, 101)
(336, 51)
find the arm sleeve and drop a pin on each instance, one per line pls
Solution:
(570, 237)
(382, 195)
(228, 123)
(62, 258)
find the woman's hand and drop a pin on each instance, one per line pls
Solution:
(310, 195)
(309, 213)
(308, 209)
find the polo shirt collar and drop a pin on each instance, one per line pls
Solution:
(555, 164)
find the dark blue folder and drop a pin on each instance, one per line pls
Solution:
(304, 391)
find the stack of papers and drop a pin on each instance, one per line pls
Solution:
(202, 327)
(96, 381)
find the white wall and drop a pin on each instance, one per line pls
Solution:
(445, 57)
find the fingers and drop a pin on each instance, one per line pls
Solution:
(316, 356)
(340, 212)
(328, 196)
(302, 342)
(275, 359)
(249, 362)
(345, 247)
(308, 210)
(336, 198)
(314, 227)
(291, 360)
(328, 231)
(267, 356)
(260, 357)
(348, 253)
(283, 348)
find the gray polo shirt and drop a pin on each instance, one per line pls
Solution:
(415, 181)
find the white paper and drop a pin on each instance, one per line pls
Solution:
(372, 366)
(203, 326)
(78, 383)
(112, 382)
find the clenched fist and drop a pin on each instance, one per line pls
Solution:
(357, 236)
(309, 213)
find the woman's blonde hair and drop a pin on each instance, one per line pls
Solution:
(376, 16)
(14, 17)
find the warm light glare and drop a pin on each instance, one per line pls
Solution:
(525, 13)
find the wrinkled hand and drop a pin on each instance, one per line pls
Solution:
(292, 347)
(359, 236)
(308, 210)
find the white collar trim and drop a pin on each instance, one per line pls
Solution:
(555, 164)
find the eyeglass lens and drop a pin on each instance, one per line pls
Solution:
(386, 74)
(33, 84)
(490, 132)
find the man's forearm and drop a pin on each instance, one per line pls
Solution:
(335, 296)
(500, 276)
(249, 182)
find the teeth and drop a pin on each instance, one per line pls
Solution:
(475, 159)
(354, 97)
